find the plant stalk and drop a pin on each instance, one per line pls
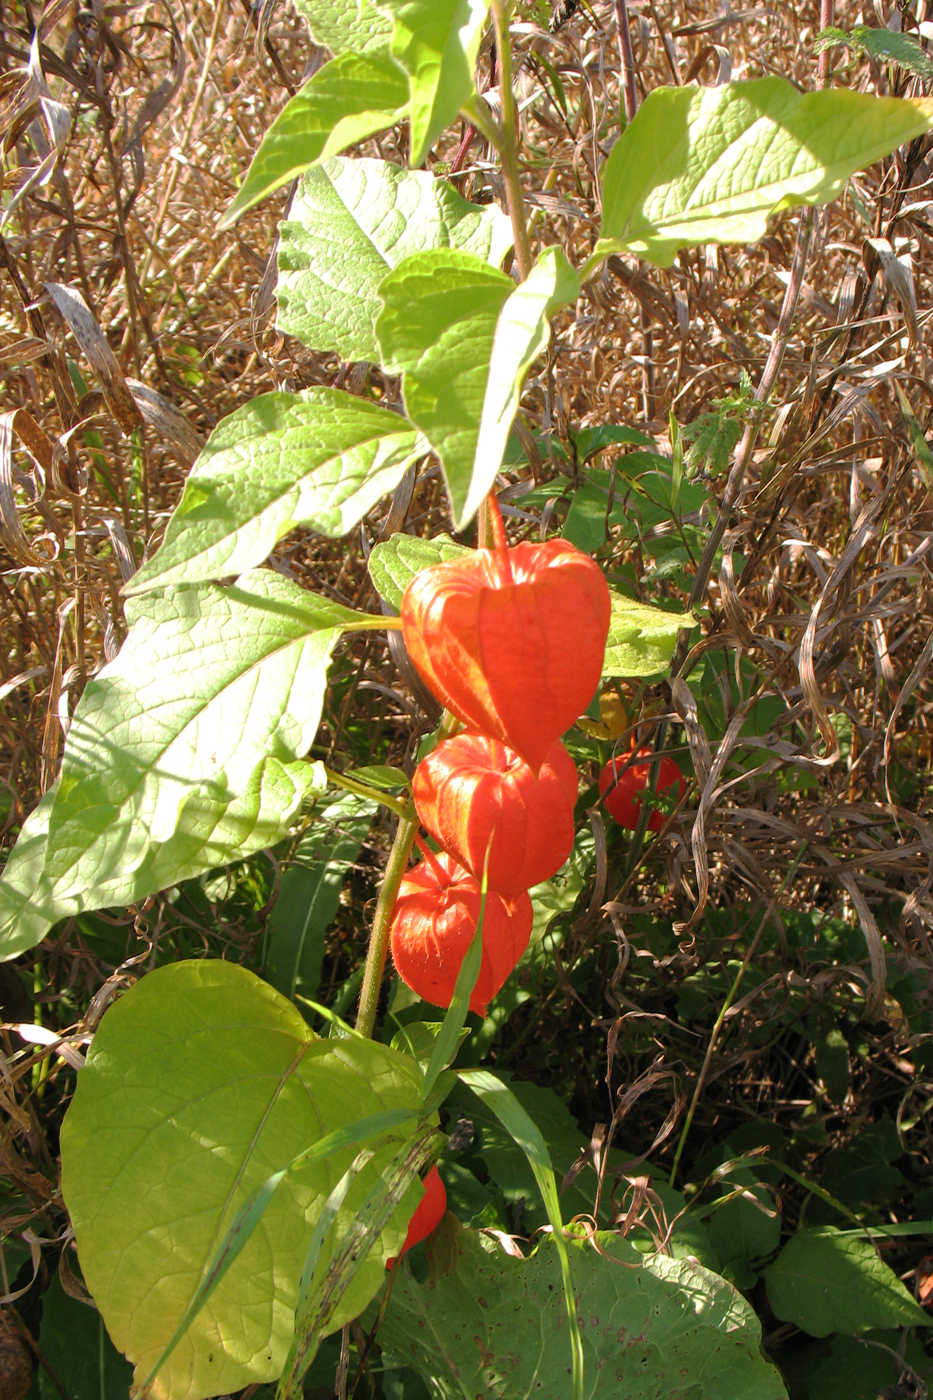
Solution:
(379, 937)
(397, 804)
(508, 135)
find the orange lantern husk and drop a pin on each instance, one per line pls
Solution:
(473, 793)
(623, 781)
(511, 640)
(436, 914)
(428, 1215)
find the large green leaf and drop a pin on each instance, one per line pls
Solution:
(709, 165)
(183, 752)
(347, 25)
(521, 335)
(436, 42)
(201, 1084)
(654, 1328)
(320, 458)
(437, 328)
(641, 637)
(349, 223)
(828, 1280)
(351, 97)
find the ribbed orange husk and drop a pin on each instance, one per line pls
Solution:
(471, 790)
(622, 787)
(519, 660)
(435, 918)
(428, 1214)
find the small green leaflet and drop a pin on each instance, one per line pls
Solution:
(202, 1084)
(641, 637)
(183, 752)
(350, 222)
(394, 562)
(436, 42)
(883, 44)
(321, 458)
(710, 165)
(351, 97)
(346, 25)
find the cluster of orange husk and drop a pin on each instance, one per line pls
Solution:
(511, 641)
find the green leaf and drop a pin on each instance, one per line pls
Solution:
(347, 25)
(865, 1368)
(309, 895)
(201, 1084)
(394, 562)
(641, 637)
(746, 1228)
(350, 222)
(76, 1348)
(436, 42)
(829, 1281)
(522, 333)
(321, 458)
(183, 752)
(654, 1328)
(903, 49)
(437, 328)
(351, 97)
(494, 1094)
(710, 165)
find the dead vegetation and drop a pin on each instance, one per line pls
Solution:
(129, 327)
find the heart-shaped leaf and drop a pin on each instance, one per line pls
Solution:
(201, 1084)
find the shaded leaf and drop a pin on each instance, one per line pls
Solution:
(75, 1344)
(394, 562)
(833, 1281)
(654, 1328)
(309, 895)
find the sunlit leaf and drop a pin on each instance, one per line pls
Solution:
(711, 164)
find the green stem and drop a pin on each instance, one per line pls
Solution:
(507, 144)
(342, 780)
(379, 937)
(373, 622)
